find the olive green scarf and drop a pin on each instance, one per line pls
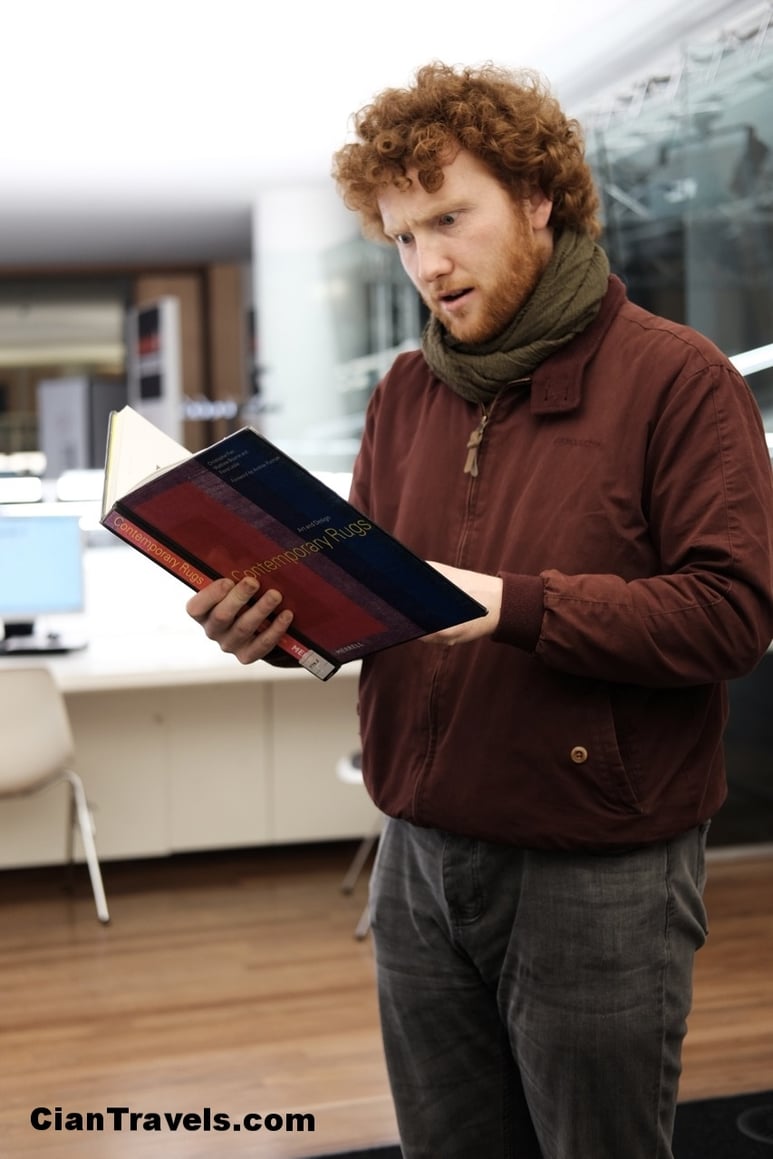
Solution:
(565, 300)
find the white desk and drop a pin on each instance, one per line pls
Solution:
(164, 658)
(180, 746)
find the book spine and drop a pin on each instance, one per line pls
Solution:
(197, 578)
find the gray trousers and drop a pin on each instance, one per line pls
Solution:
(533, 1005)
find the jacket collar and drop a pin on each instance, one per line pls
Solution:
(556, 385)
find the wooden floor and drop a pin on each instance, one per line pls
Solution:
(233, 981)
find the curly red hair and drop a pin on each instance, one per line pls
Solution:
(509, 120)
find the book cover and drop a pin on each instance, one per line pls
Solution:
(243, 506)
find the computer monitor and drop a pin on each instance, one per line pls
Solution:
(41, 575)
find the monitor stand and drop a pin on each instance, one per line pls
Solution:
(22, 639)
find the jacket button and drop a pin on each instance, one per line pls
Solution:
(579, 754)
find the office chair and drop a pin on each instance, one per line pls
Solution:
(349, 770)
(36, 750)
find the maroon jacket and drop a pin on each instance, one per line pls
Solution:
(626, 500)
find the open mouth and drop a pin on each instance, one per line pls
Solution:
(454, 296)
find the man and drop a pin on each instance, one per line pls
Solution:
(598, 478)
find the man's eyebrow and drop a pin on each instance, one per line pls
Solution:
(392, 229)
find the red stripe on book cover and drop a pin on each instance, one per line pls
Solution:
(195, 578)
(225, 542)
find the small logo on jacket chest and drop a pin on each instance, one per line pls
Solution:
(565, 441)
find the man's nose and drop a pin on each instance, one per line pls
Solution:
(432, 260)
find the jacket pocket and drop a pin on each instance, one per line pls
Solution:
(615, 760)
(594, 745)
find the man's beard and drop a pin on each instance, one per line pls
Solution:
(504, 290)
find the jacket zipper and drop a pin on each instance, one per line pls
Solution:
(471, 469)
(474, 441)
(476, 438)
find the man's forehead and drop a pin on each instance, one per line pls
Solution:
(401, 209)
(463, 177)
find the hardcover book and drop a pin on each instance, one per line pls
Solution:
(244, 507)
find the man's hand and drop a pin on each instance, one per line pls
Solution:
(223, 612)
(486, 589)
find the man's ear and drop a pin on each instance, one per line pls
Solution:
(539, 208)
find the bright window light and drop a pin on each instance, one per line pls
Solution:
(750, 361)
(20, 489)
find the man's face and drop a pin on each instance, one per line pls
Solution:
(471, 252)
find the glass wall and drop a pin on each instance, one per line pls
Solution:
(334, 311)
(684, 165)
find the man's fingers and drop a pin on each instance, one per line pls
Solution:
(199, 606)
(238, 617)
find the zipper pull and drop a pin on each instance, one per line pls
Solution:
(474, 441)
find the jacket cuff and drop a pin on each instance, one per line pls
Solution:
(523, 606)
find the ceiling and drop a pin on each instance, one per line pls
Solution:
(141, 133)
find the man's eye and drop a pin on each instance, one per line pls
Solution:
(403, 238)
(447, 218)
